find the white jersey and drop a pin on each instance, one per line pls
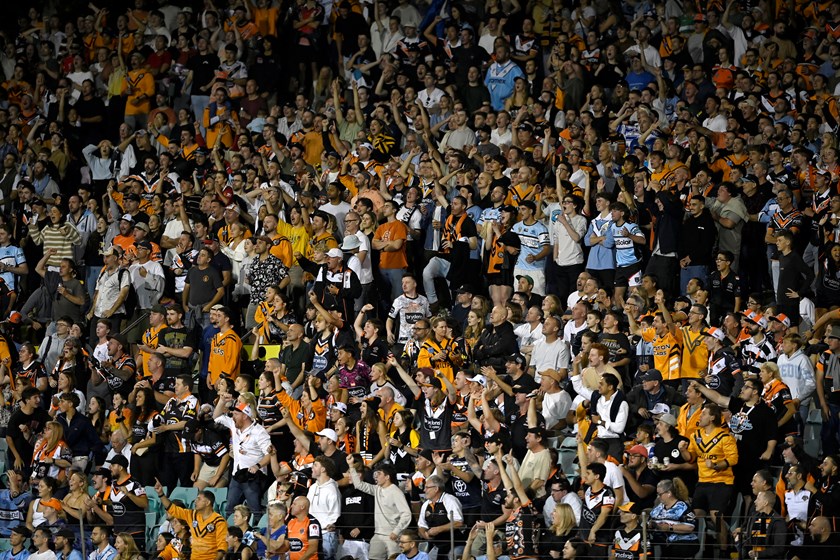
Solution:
(409, 311)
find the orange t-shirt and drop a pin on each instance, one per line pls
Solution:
(391, 231)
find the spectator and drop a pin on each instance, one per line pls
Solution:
(205, 544)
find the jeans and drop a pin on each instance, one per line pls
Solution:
(695, 271)
(394, 277)
(199, 103)
(91, 275)
(249, 492)
(437, 268)
(329, 541)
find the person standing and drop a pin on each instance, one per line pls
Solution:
(208, 530)
(225, 350)
(177, 454)
(392, 514)
(249, 446)
(390, 240)
(535, 246)
(795, 279)
(148, 279)
(715, 452)
(325, 498)
(696, 243)
(565, 235)
(203, 288)
(266, 270)
(112, 287)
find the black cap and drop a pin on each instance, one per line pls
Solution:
(493, 438)
(132, 196)
(120, 460)
(465, 289)
(510, 209)
(67, 534)
(22, 531)
(102, 471)
(433, 382)
(518, 359)
(428, 455)
(144, 245)
(119, 338)
(520, 389)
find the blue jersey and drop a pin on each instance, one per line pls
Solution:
(499, 81)
(533, 238)
(625, 252)
(12, 257)
(600, 255)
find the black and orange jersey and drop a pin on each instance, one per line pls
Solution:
(629, 546)
(666, 353)
(301, 534)
(717, 446)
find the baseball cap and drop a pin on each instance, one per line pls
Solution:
(480, 379)
(22, 530)
(508, 208)
(102, 471)
(53, 503)
(119, 338)
(660, 408)
(329, 434)
(832, 334)
(552, 374)
(652, 375)
(244, 408)
(493, 438)
(638, 450)
(631, 507)
(699, 18)
(133, 197)
(143, 244)
(158, 308)
(335, 253)
(367, 145)
(518, 359)
(428, 455)
(757, 318)
(782, 318)
(373, 401)
(527, 278)
(433, 382)
(668, 419)
(120, 460)
(339, 406)
(465, 289)
(715, 333)
(232, 208)
(128, 218)
(520, 389)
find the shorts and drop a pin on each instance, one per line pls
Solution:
(605, 277)
(630, 275)
(207, 472)
(712, 496)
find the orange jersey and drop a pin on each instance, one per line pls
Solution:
(207, 535)
(666, 353)
(225, 350)
(718, 446)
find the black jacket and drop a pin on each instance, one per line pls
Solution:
(697, 239)
(668, 220)
(495, 344)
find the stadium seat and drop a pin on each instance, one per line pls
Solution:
(5, 545)
(186, 495)
(154, 500)
(568, 454)
(263, 522)
(813, 426)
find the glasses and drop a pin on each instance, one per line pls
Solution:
(568, 202)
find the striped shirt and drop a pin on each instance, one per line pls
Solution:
(62, 238)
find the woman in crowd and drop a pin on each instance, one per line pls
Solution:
(673, 521)
(563, 527)
(145, 451)
(126, 548)
(52, 456)
(371, 437)
(46, 488)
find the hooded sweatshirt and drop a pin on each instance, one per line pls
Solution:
(798, 374)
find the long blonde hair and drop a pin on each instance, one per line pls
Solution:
(567, 522)
(131, 551)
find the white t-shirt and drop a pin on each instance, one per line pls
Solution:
(553, 355)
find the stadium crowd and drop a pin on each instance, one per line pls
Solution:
(321, 280)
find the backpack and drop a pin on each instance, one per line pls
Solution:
(131, 300)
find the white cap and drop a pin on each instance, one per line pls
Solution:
(329, 434)
(335, 253)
